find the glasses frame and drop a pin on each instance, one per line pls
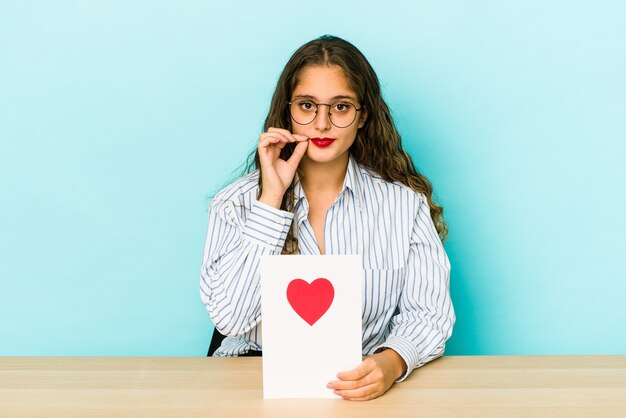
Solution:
(330, 116)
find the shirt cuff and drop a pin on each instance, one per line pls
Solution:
(267, 226)
(406, 349)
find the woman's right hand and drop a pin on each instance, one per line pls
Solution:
(278, 173)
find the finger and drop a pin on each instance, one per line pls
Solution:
(288, 134)
(350, 384)
(270, 141)
(366, 392)
(283, 132)
(366, 398)
(297, 154)
(269, 151)
(278, 135)
(358, 372)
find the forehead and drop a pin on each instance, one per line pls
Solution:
(323, 82)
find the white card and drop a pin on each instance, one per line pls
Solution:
(311, 322)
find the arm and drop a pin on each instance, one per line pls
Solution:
(425, 316)
(229, 284)
(423, 321)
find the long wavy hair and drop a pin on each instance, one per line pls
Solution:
(377, 147)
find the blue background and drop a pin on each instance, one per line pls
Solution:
(119, 119)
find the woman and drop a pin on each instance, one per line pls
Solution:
(330, 176)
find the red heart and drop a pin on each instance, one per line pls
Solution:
(310, 301)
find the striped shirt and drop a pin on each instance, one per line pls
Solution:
(406, 272)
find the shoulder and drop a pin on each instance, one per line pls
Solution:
(377, 189)
(241, 193)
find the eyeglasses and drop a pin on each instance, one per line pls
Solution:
(341, 114)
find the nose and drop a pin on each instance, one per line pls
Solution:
(322, 118)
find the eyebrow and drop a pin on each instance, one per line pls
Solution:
(339, 97)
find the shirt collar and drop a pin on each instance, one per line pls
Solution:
(352, 182)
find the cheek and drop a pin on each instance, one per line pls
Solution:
(351, 137)
(297, 129)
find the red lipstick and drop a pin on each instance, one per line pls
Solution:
(322, 142)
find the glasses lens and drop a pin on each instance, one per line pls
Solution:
(303, 111)
(342, 114)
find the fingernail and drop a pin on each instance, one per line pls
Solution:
(336, 392)
(329, 386)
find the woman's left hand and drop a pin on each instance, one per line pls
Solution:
(373, 377)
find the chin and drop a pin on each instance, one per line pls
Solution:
(321, 156)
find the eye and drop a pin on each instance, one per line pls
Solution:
(306, 105)
(342, 107)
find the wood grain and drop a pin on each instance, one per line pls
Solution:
(485, 386)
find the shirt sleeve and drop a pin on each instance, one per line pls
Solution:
(229, 279)
(425, 315)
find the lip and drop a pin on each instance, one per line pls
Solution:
(322, 142)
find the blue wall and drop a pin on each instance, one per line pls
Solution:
(118, 119)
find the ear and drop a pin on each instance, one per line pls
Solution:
(362, 117)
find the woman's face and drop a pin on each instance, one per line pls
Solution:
(328, 85)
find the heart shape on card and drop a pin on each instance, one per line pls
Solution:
(310, 300)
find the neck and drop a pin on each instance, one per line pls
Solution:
(323, 177)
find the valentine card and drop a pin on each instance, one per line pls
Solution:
(311, 322)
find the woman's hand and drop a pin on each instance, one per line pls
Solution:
(278, 173)
(373, 377)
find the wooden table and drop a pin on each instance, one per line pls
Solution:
(487, 386)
